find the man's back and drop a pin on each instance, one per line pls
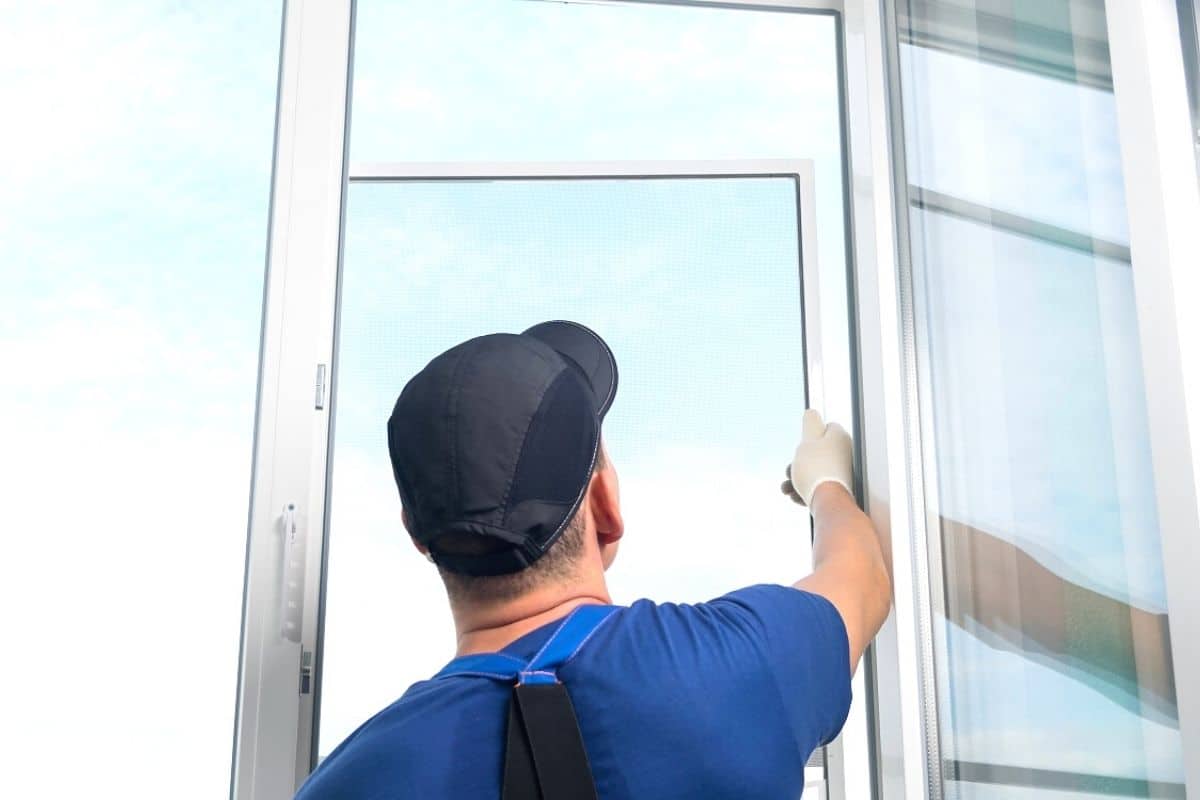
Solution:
(715, 700)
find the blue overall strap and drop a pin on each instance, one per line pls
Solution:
(544, 757)
(562, 646)
(484, 665)
(567, 640)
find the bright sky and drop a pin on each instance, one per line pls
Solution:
(132, 229)
(136, 165)
(695, 429)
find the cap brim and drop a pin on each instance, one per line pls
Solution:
(585, 350)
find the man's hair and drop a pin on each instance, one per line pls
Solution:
(558, 563)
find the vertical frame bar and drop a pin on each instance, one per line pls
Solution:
(1163, 201)
(274, 715)
(900, 726)
(924, 521)
(1189, 34)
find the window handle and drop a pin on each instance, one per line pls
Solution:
(291, 588)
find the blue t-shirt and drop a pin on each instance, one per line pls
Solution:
(724, 699)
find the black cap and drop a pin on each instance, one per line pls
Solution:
(497, 438)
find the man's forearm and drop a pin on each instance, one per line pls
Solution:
(842, 531)
(848, 564)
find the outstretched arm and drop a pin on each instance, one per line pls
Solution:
(848, 566)
(849, 569)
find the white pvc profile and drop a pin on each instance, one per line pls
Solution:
(904, 718)
(542, 170)
(924, 549)
(811, 7)
(1163, 202)
(279, 622)
(827, 773)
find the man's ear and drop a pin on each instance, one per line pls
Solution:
(604, 497)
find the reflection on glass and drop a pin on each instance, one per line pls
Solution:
(133, 211)
(694, 283)
(1053, 663)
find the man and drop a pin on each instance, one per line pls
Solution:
(506, 487)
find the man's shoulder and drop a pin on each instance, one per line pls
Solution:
(737, 609)
(737, 623)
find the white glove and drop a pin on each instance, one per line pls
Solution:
(824, 454)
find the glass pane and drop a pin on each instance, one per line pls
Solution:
(488, 80)
(607, 81)
(133, 211)
(954, 105)
(1053, 659)
(684, 278)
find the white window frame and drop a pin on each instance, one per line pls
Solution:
(273, 724)
(274, 738)
(799, 171)
(892, 751)
(1163, 200)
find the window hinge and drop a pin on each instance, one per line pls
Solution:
(320, 387)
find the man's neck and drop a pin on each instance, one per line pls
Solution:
(491, 628)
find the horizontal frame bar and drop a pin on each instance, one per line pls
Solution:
(996, 27)
(797, 6)
(1030, 778)
(573, 170)
(929, 200)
